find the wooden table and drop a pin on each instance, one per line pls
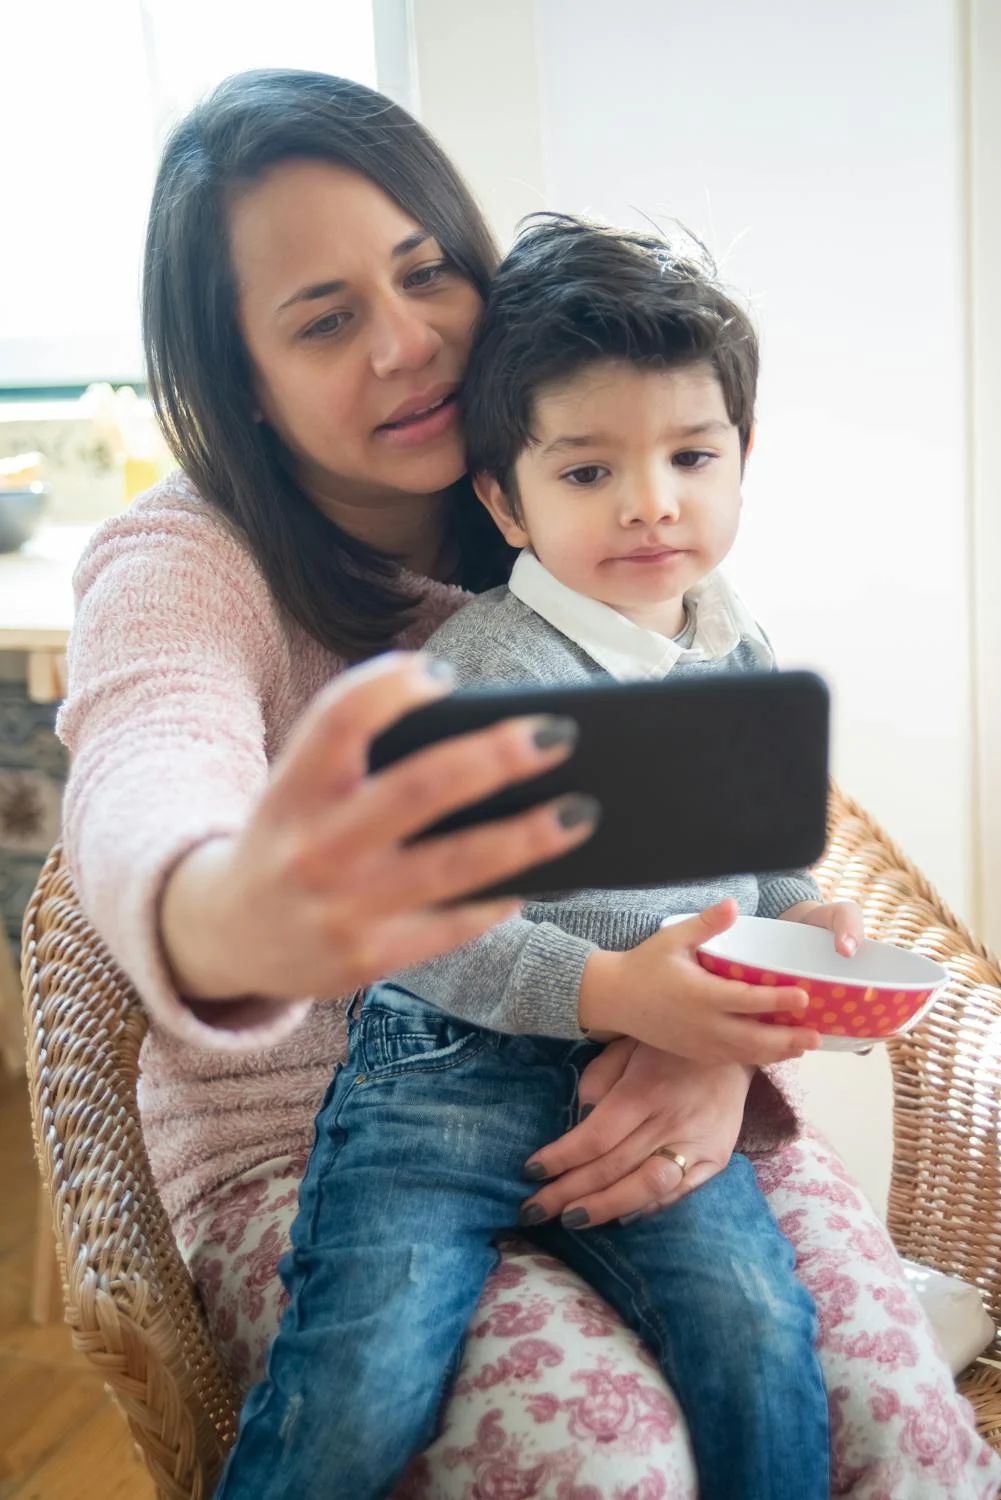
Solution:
(36, 611)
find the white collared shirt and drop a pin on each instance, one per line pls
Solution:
(630, 652)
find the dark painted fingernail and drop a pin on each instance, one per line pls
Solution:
(578, 809)
(575, 1218)
(585, 1110)
(633, 1218)
(532, 1213)
(438, 670)
(553, 731)
(534, 1171)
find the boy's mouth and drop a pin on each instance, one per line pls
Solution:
(649, 555)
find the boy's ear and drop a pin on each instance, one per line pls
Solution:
(491, 495)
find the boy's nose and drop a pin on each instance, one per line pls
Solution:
(651, 502)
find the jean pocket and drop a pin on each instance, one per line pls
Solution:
(405, 1035)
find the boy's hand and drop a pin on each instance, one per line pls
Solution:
(659, 993)
(843, 918)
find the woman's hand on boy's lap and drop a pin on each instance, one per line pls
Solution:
(638, 1099)
(658, 993)
(844, 918)
(322, 892)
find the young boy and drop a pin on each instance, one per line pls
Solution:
(609, 405)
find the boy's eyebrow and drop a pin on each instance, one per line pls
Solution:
(703, 429)
(585, 440)
(321, 289)
(600, 439)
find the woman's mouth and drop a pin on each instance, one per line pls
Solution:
(421, 424)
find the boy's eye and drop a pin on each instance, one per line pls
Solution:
(426, 275)
(585, 474)
(693, 458)
(324, 327)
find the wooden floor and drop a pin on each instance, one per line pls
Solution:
(61, 1436)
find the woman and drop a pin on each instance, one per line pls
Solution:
(314, 270)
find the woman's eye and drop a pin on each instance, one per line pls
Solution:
(585, 474)
(426, 275)
(693, 458)
(329, 324)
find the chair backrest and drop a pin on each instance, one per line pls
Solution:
(944, 1207)
(129, 1299)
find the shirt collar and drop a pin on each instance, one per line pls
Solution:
(630, 652)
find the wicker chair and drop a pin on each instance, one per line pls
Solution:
(128, 1297)
(131, 1304)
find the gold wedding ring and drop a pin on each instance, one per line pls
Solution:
(681, 1162)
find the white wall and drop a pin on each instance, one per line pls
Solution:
(818, 149)
(479, 91)
(984, 72)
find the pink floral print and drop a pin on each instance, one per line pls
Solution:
(557, 1400)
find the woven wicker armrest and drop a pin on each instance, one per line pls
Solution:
(944, 1206)
(129, 1299)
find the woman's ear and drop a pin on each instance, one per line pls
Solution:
(501, 510)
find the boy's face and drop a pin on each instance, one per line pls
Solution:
(631, 494)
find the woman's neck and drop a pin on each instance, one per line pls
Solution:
(411, 528)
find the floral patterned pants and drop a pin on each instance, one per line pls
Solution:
(556, 1400)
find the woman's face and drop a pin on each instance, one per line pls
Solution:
(358, 330)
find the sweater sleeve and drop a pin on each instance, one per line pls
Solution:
(172, 645)
(522, 977)
(776, 893)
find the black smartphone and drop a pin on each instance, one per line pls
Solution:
(696, 777)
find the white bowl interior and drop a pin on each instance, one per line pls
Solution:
(809, 953)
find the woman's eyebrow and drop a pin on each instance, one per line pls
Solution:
(321, 289)
(412, 242)
(312, 293)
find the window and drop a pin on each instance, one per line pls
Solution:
(89, 92)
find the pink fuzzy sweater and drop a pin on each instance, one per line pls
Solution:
(184, 683)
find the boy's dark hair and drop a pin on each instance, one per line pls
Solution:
(570, 294)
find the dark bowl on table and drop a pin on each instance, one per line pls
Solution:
(21, 513)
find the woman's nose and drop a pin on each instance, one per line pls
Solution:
(403, 338)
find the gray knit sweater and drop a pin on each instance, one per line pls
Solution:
(524, 976)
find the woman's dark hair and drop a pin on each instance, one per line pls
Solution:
(346, 594)
(570, 294)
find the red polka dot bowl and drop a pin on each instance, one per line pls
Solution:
(880, 993)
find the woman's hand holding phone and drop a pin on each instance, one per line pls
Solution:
(323, 890)
(659, 994)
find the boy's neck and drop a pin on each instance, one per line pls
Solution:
(667, 617)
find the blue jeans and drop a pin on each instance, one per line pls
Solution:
(417, 1165)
